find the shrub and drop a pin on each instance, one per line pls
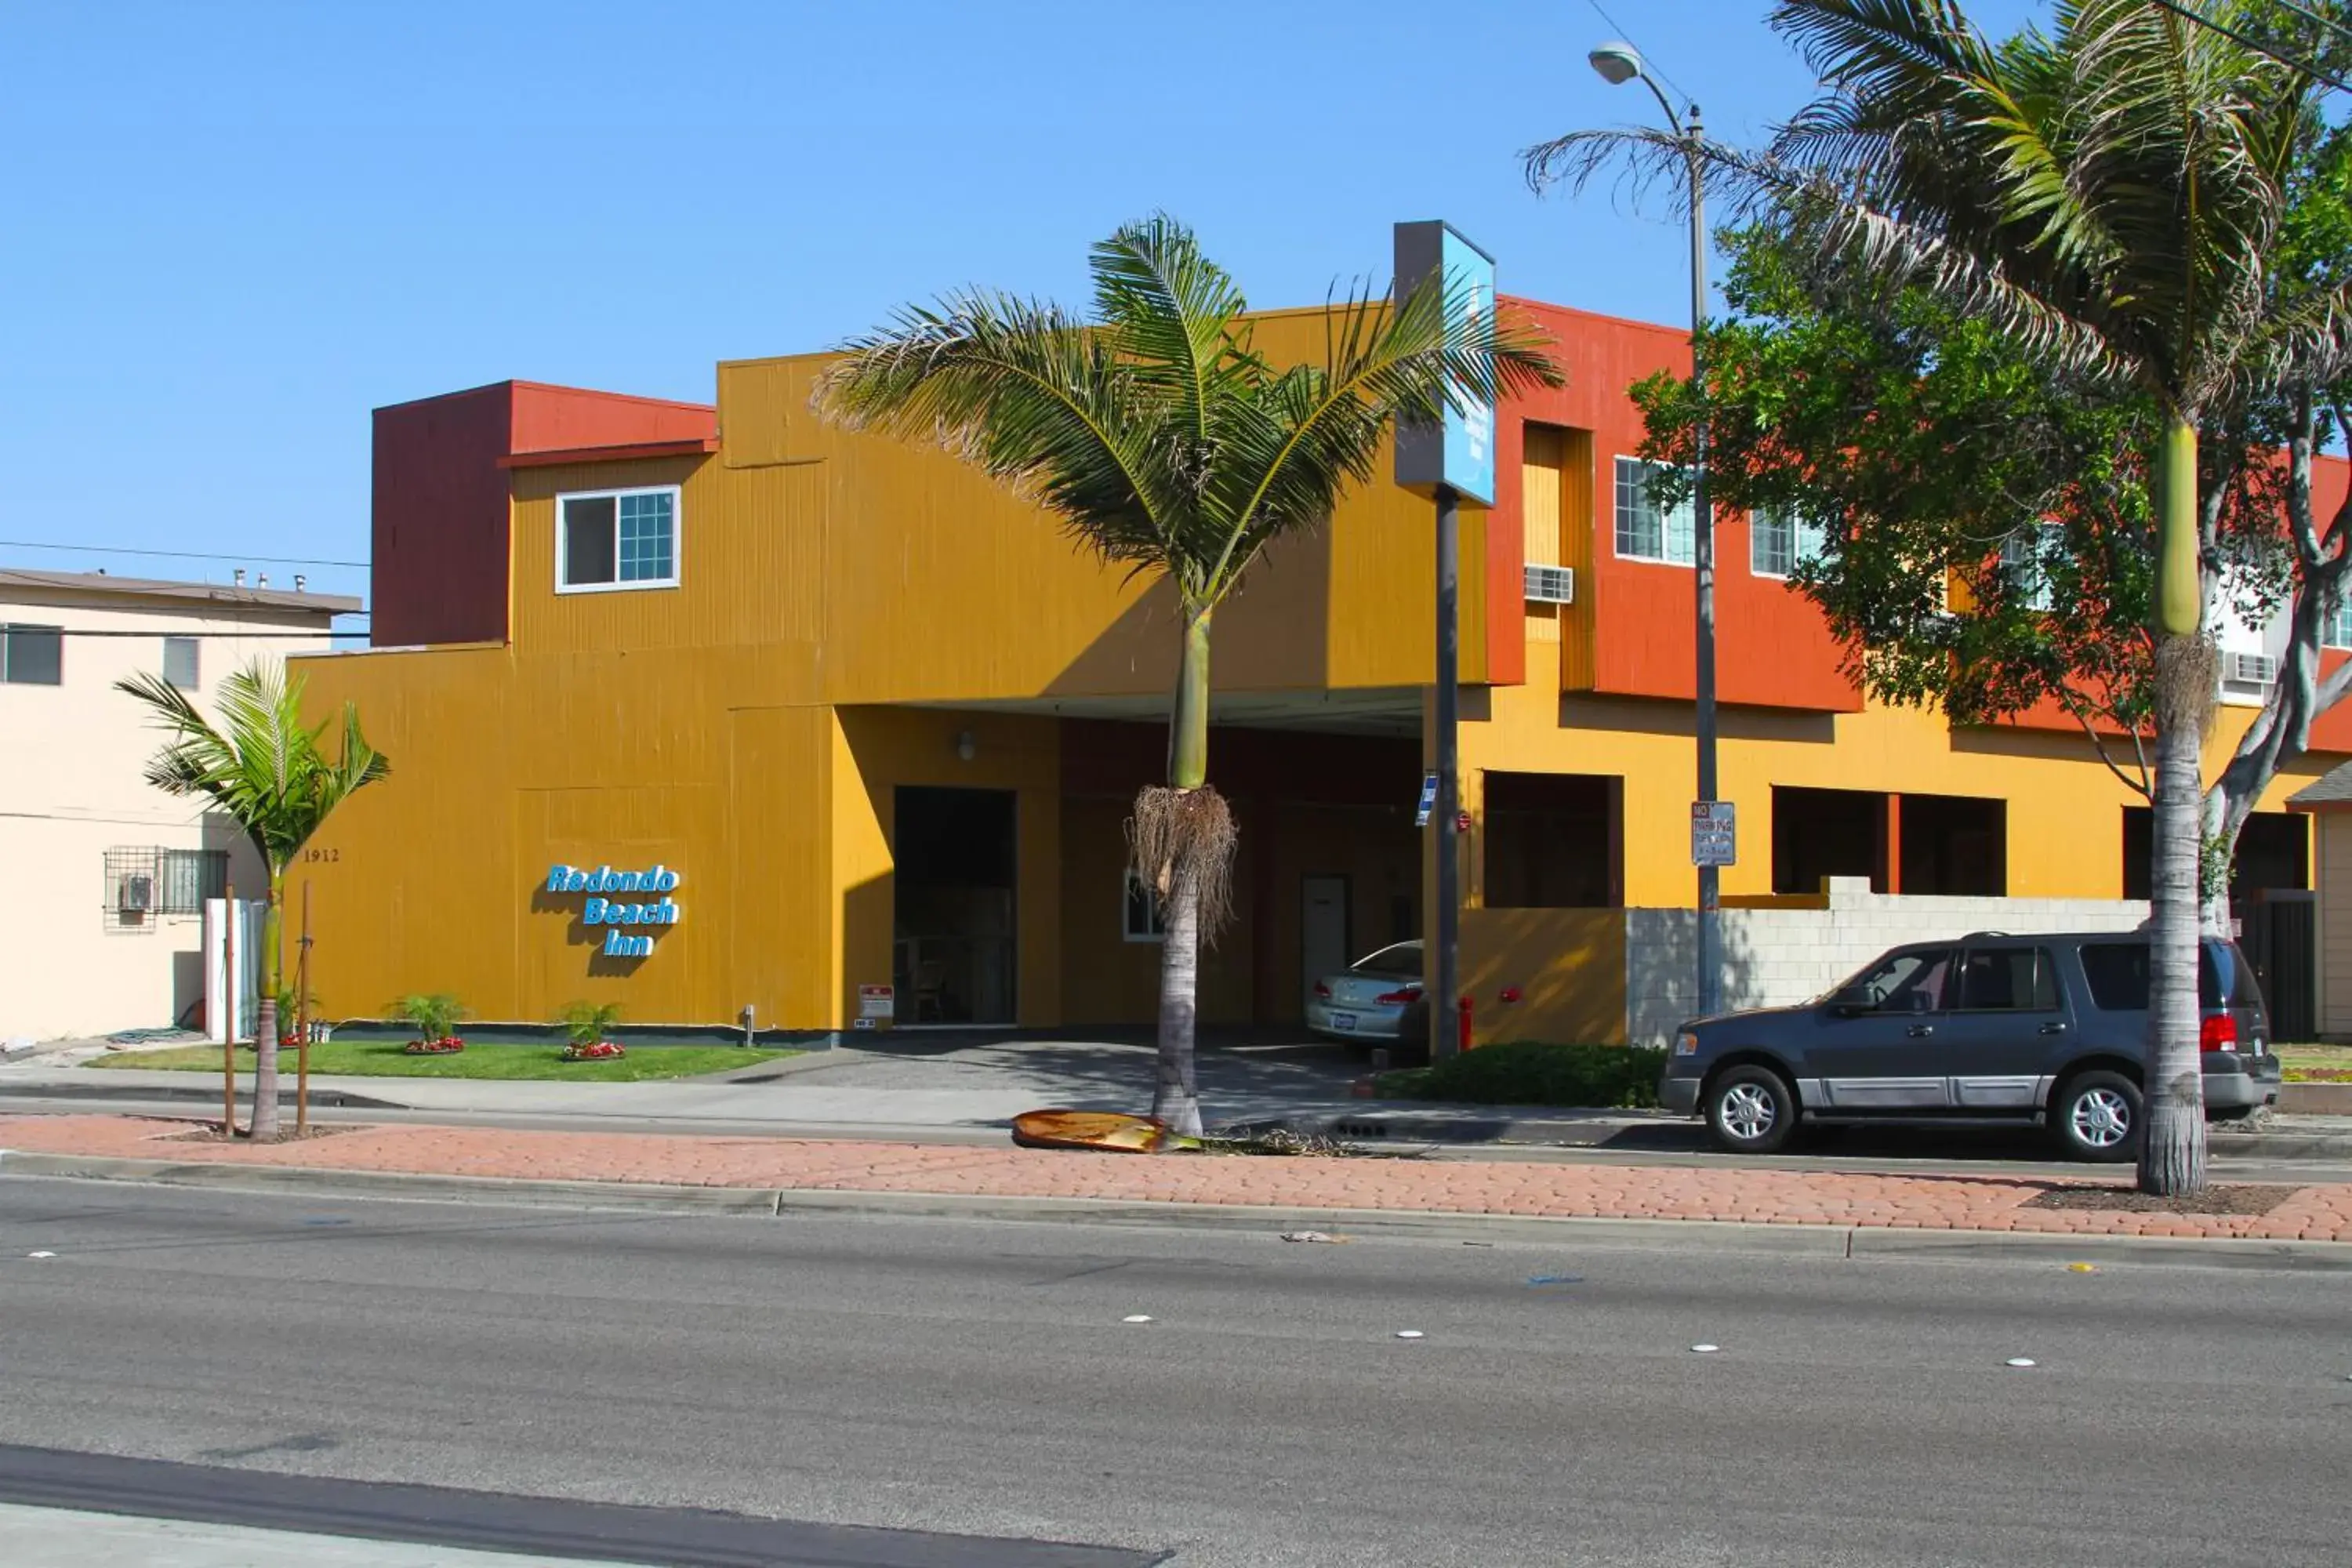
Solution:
(434, 1015)
(1530, 1072)
(587, 1022)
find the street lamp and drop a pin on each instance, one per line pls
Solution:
(1619, 62)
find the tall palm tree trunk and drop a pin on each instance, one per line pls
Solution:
(2172, 1149)
(1176, 1097)
(264, 1125)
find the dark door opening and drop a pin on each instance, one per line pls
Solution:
(1555, 841)
(1819, 833)
(2274, 852)
(953, 917)
(1956, 845)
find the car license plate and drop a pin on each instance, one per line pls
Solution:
(1343, 1020)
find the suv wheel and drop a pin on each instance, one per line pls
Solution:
(2097, 1117)
(1750, 1110)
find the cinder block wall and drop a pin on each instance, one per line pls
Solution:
(1773, 957)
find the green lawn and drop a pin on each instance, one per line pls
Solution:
(384, 1058)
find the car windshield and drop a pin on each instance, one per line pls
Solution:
(1400, 962)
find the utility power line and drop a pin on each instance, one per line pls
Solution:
(1655, 69)
(174, 554)
(2190, 14)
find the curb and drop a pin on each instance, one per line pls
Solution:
(1604, 1130)
(209, 1094)
(1426, 1224)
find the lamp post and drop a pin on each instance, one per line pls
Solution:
(1618, 63)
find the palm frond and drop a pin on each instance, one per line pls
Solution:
(258, 764)
(1026, 393)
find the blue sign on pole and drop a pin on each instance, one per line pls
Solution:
(1458, 452)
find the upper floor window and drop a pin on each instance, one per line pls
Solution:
(617, 539)
(2023, 557)
(1646, 531)
(32, 656)
(2335, 631)
(180, 663)
(1778, 539)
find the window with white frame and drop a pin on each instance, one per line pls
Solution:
(2023, 562)
(1645, 530)
(181, 666)
(1140, 915)
(617, 539)
(2335, 631)
(1778, 540)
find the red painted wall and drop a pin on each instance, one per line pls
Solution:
(561, 418)
(1773, 649)
(440, 498)
(439, 520)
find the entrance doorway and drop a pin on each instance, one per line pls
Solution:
(1323, 934)
(952, 914)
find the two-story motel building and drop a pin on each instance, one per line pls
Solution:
(859, 717)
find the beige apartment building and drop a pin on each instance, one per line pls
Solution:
(103, 929)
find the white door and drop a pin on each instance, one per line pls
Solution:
(1324, 936)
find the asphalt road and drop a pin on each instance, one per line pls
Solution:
(976, 1379)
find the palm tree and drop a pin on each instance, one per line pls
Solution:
(1167, 442)
(2112, 195)
(271, 775)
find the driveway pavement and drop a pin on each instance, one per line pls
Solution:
(957, 1083)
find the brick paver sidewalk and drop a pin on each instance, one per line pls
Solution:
(2320, 1213)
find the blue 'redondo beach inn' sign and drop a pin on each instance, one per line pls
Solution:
(603, 909)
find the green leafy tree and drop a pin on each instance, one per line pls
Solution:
(1984, 526)
(276, 779)
(1167, 442)
(2111, 195)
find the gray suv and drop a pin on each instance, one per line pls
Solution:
(1990, 1030)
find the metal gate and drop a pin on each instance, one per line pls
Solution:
(2282, 941)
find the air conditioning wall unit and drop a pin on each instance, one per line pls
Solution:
(2248, 669)
(137, 894)
(1550, 584)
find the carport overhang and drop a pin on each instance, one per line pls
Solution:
(1390, 711)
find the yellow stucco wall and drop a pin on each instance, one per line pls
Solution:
(2064, 816)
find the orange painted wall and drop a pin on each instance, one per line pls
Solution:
(1772, 647)
(2331, 732)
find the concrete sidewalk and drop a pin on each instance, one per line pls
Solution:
(757, 1166)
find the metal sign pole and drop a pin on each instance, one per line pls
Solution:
(1445, 1036)
(1451, 459)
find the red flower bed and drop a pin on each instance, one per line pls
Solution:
(599, 1051)
(442, 1048)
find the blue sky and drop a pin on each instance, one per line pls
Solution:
(234, 228)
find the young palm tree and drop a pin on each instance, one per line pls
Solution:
(2112, 193)
(1167, 444)
(268, 772)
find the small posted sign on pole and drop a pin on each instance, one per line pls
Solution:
(1714, 832)
(1428, 799)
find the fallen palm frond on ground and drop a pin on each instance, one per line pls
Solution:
(1110, 1131)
